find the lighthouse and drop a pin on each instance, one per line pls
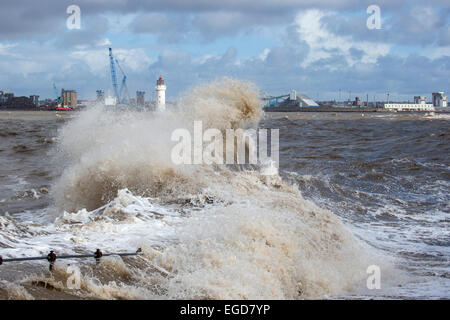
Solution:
(160, 95)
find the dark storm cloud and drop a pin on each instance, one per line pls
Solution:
(20, 19)
(23, 19)
(169, 28)
(90, 35)
(415, 24)
(203, 26)
(211, 25)
(269, 7)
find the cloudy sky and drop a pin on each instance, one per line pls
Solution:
(318, 47)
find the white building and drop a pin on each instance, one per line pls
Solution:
(160, 95)
(418, 105)
(110, 101)
(409, 106)
(439, 99)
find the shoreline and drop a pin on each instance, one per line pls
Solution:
(347, 110)
(35, 114)
(33, 110)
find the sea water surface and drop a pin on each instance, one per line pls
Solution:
(353, 190)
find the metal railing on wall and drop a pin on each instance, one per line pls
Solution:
(52, 257)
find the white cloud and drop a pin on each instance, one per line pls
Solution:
(4, 48)
(134, 59)
(205, 58)
(104, 42)
(325, 44)
(19, 62)
(435, 53)
(264, 54)
(119, 23)
(97, 60)
(131, 60)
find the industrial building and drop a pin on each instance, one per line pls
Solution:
(291, 100)
(69, 98)
(298, 100)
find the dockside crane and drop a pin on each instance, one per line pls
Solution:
(58, 98)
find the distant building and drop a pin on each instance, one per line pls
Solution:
(69, 98)
(419, 99)
(439, 99)
(20, 103)
(48, 101)
(140, 98)
(7, 98)
(110, 100)
(409, 106)
(418, 105)
(298, 100)
(357, 102)
(2, 98)
(100, 96)
(35, 100)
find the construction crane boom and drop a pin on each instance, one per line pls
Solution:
(113, 75)
(123, 87)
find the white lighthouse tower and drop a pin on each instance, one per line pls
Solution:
(160, 95)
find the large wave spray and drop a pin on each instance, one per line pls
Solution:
(104, 151)
(207, 232)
